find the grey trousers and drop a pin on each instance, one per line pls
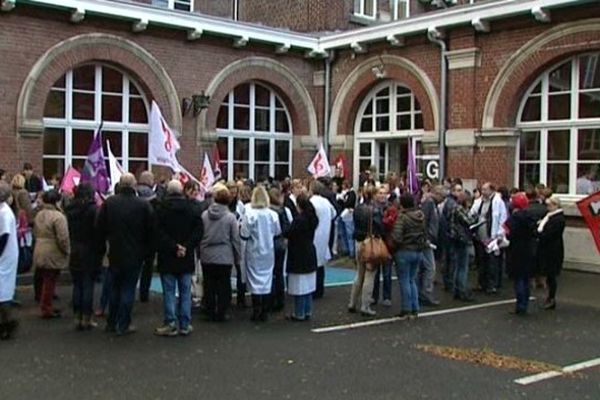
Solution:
(427, 275)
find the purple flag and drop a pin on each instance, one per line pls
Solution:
(94, 170)
(412, 182)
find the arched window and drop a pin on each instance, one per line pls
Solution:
(559, 119)
(76, 105)
(255, 134)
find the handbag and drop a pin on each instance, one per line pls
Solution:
(373, 250)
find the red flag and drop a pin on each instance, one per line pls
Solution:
(341, 166)
(217, 163)
(590, 210)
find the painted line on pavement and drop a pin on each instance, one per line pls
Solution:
(382, 321)
(527, 380)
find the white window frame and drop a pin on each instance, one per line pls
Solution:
(360, 7)
(544, 125)
(396, 8)
(68, 124)
(171, 4)
(272, 135)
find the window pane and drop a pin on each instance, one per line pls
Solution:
(241, 94)
(281, 171)
(55, 105)
(137, 111)
(364, 165)
(137, 167)
(261, 150)
(223, 117)
(262, 96)
(281, 122)
(532, 110)
(383, 106)
(589, 104)
(560, 79)
(365, 150)
(588, 144)
(84, 77)
(559, 106)
(587, 179)
(589, 71)
(530, 146)
(403, 104)
(383, 92)
(369, 8)
(60, 83)
(419, 121)
(558, 145)
(82, 139)
(241, 149)
(54, 141)
(366, 125)
(382, 124)
(529, 175)
(116, 145)
(112, 80)
(182, 5)
(261, 172)
(52, 166)
(403, 122)
(241, 118)
(402, 90)
(133, 89)
(417, 104)
(241, 171)
(138, 144)
(558, 177)
(369, 108)
(78, 164)
(537, 88)
(282, 150)
(261, 120)
(83, 106)
(223, 152)
(112, 108)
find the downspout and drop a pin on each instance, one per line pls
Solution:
(326, 106)
(435, 36)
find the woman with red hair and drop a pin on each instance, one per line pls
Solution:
(520, 227)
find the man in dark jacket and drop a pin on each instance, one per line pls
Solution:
(447, 208)
(427, 268)
(126, 221)
(146, 191)
(179, 230)
(33, 183)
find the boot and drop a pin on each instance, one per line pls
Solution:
(264, 308)
(255, 307)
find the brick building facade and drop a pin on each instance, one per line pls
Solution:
(363, 77)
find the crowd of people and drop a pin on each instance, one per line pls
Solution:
(277, 237)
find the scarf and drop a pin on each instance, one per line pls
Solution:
(545, 220)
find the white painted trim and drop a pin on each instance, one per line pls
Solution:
(464, 58)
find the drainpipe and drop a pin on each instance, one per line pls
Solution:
(326, 106)
(435, 36)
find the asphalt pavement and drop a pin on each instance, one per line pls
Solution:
(280, 359)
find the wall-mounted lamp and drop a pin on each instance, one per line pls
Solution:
(198, 102)
(379, 70)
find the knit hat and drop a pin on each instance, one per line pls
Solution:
(519, 201)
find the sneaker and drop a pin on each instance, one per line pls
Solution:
(186, 331)
(367, 312)
(166, 330)
(386, 303)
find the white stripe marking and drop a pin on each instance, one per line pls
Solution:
(553, 374)
(382, 321)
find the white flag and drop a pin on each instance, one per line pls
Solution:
(115, 169)
(163, 144)
(319, 166)
(207, 176)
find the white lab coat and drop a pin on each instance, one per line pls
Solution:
(9, 258)
(259, 227)
(499, 214)
(326, 213)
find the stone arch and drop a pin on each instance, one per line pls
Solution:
(358, 83)
(285, 82)
(529, 61)
(99, 47)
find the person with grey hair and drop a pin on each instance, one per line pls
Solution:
(127, 223)
(179, 231)
(9, 258)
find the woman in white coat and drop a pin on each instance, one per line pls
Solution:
(259, 226)
(9, 258)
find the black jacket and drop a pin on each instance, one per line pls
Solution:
(178, 221)
(302, 256)
(551, 246)
(409, 232)
(362, 216)
(520, 256)
(127, 223)
(85, 253)
(34, 184)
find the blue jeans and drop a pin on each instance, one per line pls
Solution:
(303, 306)
(522, 292)
(407, 266)
(461, 270)
(83, 293)
(385, 270)
(122, 295)
(346, 233)
(177, 312)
